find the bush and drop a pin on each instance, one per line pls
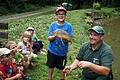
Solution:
(97, 6)
(3, 10)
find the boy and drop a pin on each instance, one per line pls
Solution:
(58, 42)
(6, 65)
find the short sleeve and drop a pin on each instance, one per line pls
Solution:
(79, 55)
(107, 58)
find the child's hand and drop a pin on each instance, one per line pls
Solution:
(7, 79)
(19, 50)
(0, 74)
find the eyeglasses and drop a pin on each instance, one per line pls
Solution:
(61, 14)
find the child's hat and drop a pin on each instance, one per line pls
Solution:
(30, 28)
(60, 8)
(4, 51)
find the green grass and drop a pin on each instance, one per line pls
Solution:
(41, 24)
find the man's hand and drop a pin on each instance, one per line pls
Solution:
(84, 64)
(67, 69)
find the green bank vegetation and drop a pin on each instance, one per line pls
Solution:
(41, 24)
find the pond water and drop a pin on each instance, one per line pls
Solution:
(112, 37)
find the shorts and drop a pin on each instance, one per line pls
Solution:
(56, 61)
(38, 45)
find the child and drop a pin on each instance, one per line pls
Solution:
(6, 65)
(18, 59)
(15, 55)
(26, 45)
(37, 44)
(58, 36)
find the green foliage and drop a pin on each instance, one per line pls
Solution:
(18, 8)
(116, 3)
(97, 6)
(38, 2)
(3, 11)
(109, 12)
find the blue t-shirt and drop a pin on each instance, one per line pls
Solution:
(59, 46)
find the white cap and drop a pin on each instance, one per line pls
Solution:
(30, 28)
(4, 51)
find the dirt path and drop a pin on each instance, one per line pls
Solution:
(26, 14)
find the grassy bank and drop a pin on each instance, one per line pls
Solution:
(41, 25)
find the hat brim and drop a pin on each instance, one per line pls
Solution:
(61, 10)
(8, 52)
(95, 31)
(4, 51)
(30, 28)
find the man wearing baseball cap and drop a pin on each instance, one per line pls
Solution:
(58, 45)
(94, 57)
(98, 30)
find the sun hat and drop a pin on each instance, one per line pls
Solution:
(60, 8)
(30, 28)
(98, 30)
(4, 51)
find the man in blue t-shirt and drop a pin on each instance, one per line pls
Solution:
(59, 34)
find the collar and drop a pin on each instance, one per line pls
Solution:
(97, 47)
(60, 24)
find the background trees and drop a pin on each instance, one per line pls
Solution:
(11, 6)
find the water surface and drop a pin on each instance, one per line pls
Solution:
(112, 37)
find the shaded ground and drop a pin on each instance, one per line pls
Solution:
(45, 10)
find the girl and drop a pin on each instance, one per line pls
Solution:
(37, 44)
(26, 45)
